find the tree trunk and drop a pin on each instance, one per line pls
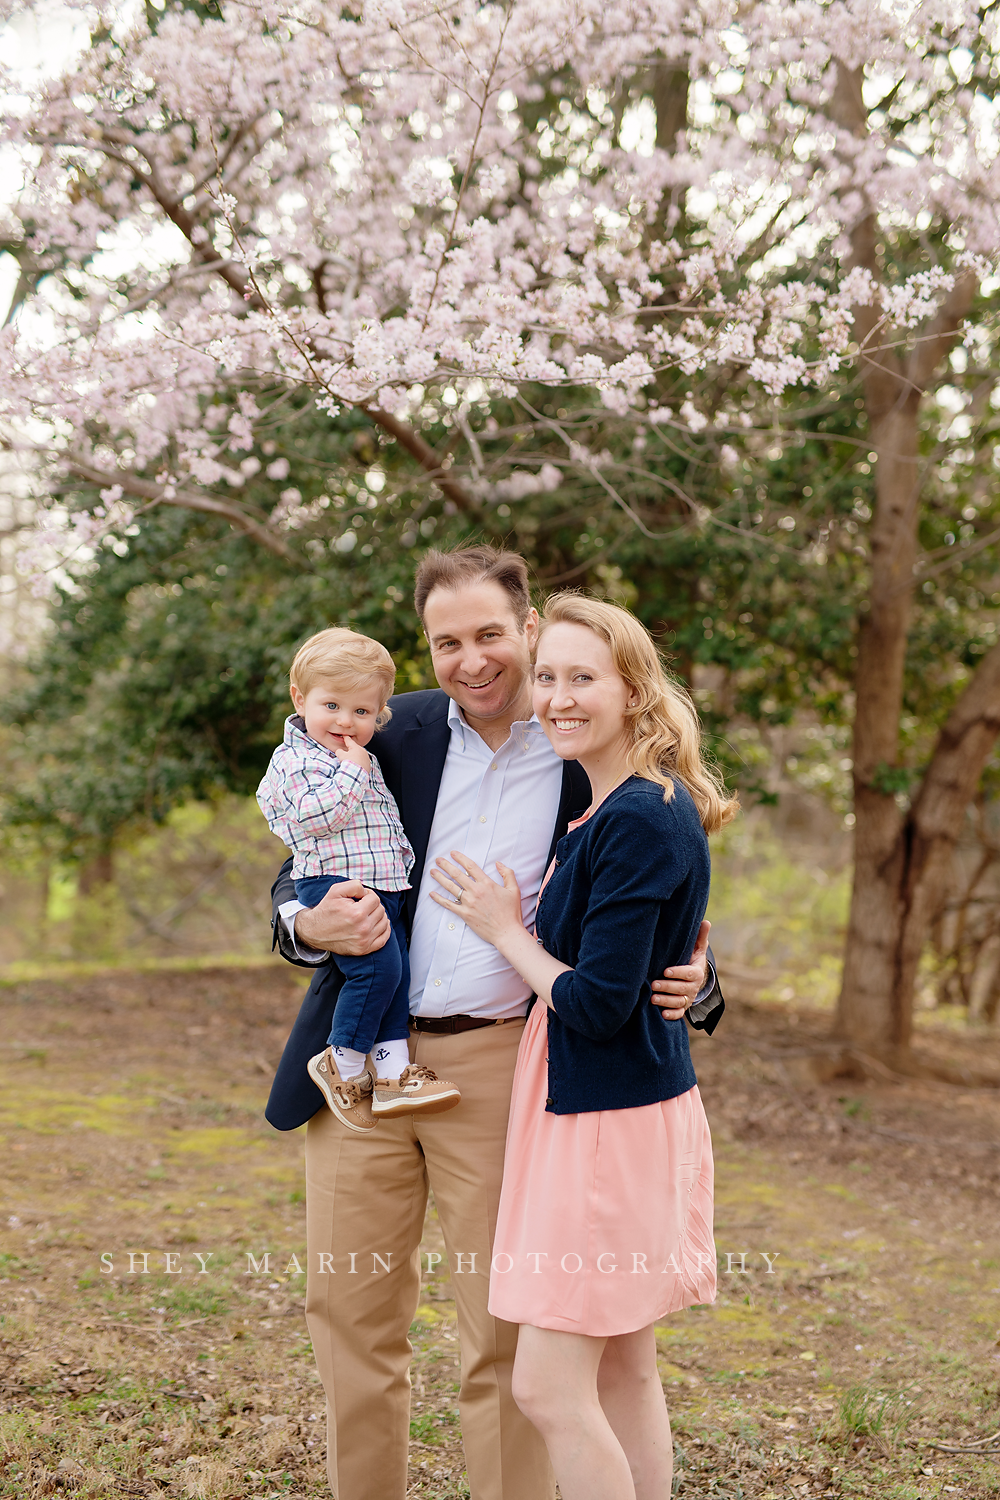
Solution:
(871, 1011)
(961, 753)
(671, 86)
(897, 897)
(97, 872)
(900, 861)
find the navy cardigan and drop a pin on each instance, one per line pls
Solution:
(625, 900)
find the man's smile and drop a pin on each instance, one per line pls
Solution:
(486, 682)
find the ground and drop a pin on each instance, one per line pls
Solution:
(853, 1346)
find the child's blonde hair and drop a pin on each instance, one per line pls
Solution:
(664, 728)
(342, 655)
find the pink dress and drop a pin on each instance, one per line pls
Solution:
(605, 1218)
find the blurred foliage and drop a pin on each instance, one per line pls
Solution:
(197, 884)
(779, 908)
(164, 677)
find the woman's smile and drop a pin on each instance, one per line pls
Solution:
(582, 701)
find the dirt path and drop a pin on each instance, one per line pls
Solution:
(860, 1326)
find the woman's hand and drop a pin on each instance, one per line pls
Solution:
(494, 913)
(491, 910)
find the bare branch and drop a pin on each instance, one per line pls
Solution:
(954, 557)
(237, 138)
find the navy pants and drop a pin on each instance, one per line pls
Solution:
(374, 1000)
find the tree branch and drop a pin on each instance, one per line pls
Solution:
(425, 456)
(941, 332)
(670, 87)
(235, 141)
(184, 500)
(241, 282)
(176, 275)
(880, 367)
(963, 748)
(232, 274)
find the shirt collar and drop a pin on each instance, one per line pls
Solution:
(298, 736)
(518, 730)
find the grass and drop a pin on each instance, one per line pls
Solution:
(882, 1290)
(869, 1414)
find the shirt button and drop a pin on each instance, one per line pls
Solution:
(451, 928)
(493, 766)
(482, 818)
(437, 981)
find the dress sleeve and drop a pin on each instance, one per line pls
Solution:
(634, 869)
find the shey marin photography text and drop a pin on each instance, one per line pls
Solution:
(374, 1263)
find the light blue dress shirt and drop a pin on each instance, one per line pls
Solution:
(492, 805)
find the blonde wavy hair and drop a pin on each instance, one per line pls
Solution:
(666, 736)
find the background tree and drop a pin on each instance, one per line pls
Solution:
(597, 280)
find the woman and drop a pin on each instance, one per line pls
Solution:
(605, 1221)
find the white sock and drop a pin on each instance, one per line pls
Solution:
(390, 1058)
(350, 1064)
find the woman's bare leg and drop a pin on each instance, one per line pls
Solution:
(555, 1385)
(628, 1385)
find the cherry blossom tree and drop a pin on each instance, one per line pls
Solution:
(578, 238)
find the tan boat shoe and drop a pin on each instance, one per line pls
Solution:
(349, 1098)
(417, 1091)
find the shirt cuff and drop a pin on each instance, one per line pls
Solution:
(288, 911)
(705, 1002)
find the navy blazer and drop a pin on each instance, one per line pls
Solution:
(624, 902)
(411, 751)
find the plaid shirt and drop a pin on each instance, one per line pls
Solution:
(335, 818)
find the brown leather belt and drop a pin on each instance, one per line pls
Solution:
(448, 1024)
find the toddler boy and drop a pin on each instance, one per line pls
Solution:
(324, 796)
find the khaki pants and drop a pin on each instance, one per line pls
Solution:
(366, 1196)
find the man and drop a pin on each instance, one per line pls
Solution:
(471, 769)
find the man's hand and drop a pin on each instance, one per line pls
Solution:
(340, 925)
(677, 991)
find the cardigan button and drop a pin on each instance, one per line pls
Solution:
(550, 1101)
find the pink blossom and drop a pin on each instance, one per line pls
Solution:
(384, 214)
